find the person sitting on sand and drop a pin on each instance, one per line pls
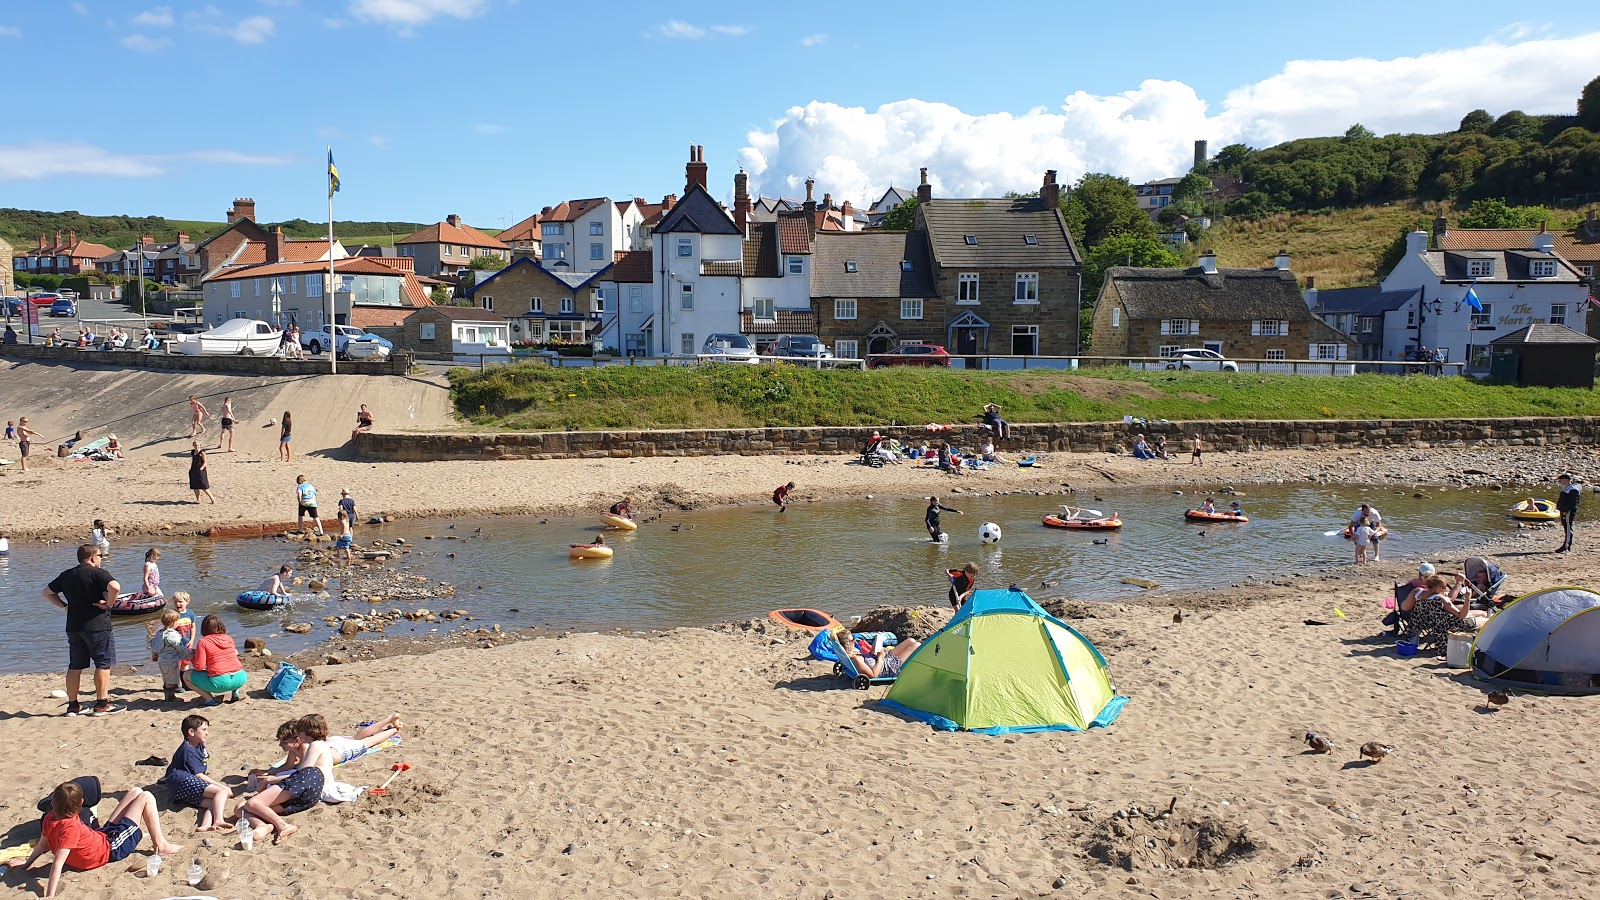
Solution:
(879, 663)
(295, 791)
(114, 447)
(78, 847)
(1141, 449)
(988, 454)
(347, 748)
(1435, 611)
(623, 508)
(187, 780)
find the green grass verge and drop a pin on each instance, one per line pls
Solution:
(535, 397)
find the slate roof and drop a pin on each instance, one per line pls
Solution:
(1000, 227)
(633, 267)
(697, 213)
(445, 233)
(878, 256)
(1544, 334)
(1509, 266)
(1231, 294)
(1364, 301)
(761, 252)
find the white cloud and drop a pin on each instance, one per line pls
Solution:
(10, 31)
(408, 14)
(159, 17)
(254, 30)
(679, 29)
(812, 40)
(378, 140)
(732, 30)
(80, 9)
(489, 128)
(1148, 132)
(47, 159)
(144, 43)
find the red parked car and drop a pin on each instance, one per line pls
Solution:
(913, 355)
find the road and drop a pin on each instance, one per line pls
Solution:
(95, 311)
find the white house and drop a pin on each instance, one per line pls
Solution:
(1514, 288)
(698, 260)
(292, 292)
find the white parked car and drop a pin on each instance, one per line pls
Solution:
(1202, 360)
(735, 348)
(339, 337)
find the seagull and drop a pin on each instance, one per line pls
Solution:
(1318, 743)
(1049, 584)
(1498, 698)
(1177, 617)
(1375, 751)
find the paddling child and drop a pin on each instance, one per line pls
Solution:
(78, 847)
(930, 518)
(97, 537)
(781, 496)
(623, 508)
(170, 648)
(1362, 537)
(963, 584)
(346, 538)
(1210, 508)
(306, 495)
(187, 780)
(1374, 523)
(348, 504)
(278, 585)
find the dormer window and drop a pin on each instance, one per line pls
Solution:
(1030, 239)
(972, 240)
(850, 265)
(905, 265)
(1480, 268)
(1542, 268)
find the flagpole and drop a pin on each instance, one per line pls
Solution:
(333, 328)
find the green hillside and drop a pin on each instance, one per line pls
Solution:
(22, 227)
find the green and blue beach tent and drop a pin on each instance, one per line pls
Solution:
(1004, 665)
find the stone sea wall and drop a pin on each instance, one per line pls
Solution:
(397, 364)
(1083, 437)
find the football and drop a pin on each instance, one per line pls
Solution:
(989, 533)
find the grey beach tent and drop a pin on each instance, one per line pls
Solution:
(1546, 641)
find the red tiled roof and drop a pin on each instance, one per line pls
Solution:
(571, 210)
(1567, 245)
(445, 233)
(633, 267)
(793, 237)
(355, 265)
(255, 252)
(379, 316)
(415, 292)
(526, 230)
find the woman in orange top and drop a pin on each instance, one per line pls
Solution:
(216, 669)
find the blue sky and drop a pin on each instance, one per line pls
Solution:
(494, 108)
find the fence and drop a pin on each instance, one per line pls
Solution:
(490, 360)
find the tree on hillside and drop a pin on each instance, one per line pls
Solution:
(1118, 250)
(1357, 132)
(1476, 122)
(1496, 214)
(1232, 157)
(1589, 106)
(902, 217)
(1516, 125)
(1100, 206)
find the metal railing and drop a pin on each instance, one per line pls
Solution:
(482, 361)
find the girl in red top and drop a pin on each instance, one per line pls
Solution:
(81, 848)
(781, 496)
(216, 663)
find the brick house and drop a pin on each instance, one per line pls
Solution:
(59, 257)
(873, 290)
(449, 246)
(443, 332)
(1240, 313)
(541, 305)
(244, 243)
(1007, 270)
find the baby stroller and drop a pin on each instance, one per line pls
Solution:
(869, 454)
(1484, 580)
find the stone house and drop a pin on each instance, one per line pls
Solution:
(448, 332)
(872, 291)
(540, 305)
(8, 282)
(1239, 313)
(1007, 271)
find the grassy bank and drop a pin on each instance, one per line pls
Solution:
(540, 398)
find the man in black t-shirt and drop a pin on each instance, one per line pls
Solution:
(89, 591)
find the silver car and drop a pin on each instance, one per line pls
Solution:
(1202, 360)
(729, 348)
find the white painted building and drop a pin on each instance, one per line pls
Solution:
(1515, 288)
(698, 261)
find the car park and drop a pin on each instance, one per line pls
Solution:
(64, 306)
(802, 346)
(1202, 360)
(912, 355)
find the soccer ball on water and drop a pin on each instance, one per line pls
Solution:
(989, 533)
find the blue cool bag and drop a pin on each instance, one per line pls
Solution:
(285, 682)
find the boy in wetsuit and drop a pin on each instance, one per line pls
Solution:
(931, 518)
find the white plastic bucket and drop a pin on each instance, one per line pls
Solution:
(1458, 654)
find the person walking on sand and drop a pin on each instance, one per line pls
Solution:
(25, 437)
(930, 518)
(1567, 506)
(306, 496)
(226, 435)
(199, 475)
(285, 432)
(89, 592)
(781, 496)
(197, 417)
(1194, 454)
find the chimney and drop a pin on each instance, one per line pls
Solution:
(695, 171)
(1311, 292)
(848, 214)
(183, 237)
(924, 189)
(1200, 156)
(741, 202)
(275, 244)
(1050, 192)
(1281, 261)
(42, 244)
(668, 202)
(810, 208)
(146, 239)
(1417, 242)
(243, 208)
(72, 237)
(1544, 241)
(453, 219)
(827, 201)
(58, 239)
(1208, 262)
(1441, 227)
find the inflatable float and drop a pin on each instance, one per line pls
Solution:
(1079, 523)
(135, 604)
(1535, 510)
(618, 522)
(589, 551)
(804, 619)
(1350, 530)
(1200, 515)
(261, 600)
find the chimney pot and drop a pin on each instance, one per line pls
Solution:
(453, 219)
(1050, 191)
(924, 189)
(1208, 262)
(1281, 262)
(695, 171)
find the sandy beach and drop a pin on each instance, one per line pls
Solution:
(696, 762)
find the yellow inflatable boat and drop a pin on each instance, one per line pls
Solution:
(589, 551)
(1535, 510)
(618, 522)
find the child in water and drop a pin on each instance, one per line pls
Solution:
(97, 537)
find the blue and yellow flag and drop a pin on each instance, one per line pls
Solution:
(333, 175)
